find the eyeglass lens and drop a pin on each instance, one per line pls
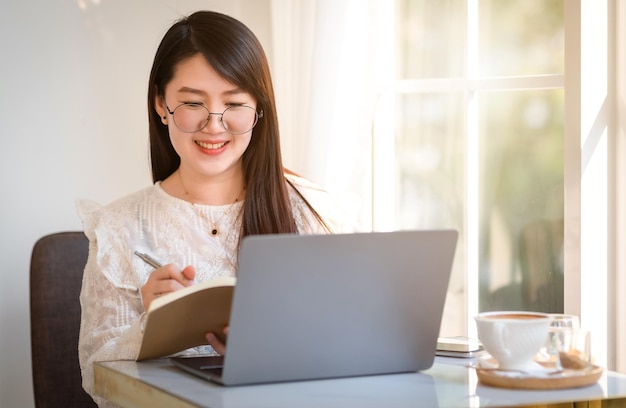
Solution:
(192, 118)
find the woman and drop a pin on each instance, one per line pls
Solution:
(218, 176)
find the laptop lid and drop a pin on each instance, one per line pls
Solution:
(328, 306)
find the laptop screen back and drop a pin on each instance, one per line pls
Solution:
(326, 306)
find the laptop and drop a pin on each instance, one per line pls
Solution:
(309, 307)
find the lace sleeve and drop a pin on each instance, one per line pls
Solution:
(112, 313)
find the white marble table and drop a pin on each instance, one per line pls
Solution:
(449, 383)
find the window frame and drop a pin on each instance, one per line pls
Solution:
(589, 274)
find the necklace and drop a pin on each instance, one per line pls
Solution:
(215, 231)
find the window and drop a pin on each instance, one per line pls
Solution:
(492, 117)
(478, 107)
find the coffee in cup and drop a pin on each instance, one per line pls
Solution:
(513, 337)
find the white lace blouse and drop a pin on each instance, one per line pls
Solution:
(172, 231)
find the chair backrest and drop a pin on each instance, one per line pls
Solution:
(56, 269)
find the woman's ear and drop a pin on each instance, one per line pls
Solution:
(161, 108)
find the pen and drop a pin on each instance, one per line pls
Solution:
(149, 260)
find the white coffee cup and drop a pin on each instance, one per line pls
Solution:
(513, 337)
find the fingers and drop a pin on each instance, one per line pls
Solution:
(165, 280)
(171, 272)
(217, 345)
(214, 342)
(189, 273)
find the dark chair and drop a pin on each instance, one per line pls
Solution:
(56, 271)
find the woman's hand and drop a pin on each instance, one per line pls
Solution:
(214, 342)
(164, 280)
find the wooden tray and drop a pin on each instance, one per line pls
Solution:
(567, 379)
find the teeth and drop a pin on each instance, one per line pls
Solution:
(210, 146)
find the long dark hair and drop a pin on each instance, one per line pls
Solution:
(237, 55)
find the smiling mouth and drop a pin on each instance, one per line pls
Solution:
(210, 146)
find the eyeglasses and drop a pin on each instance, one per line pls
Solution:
(193, 117)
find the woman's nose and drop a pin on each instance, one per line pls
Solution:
(214, 124)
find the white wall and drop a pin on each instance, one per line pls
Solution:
(73, 123)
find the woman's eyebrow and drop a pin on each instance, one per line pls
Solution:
(194, 91)
(186, 89)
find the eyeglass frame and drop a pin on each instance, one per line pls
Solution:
(258, 115)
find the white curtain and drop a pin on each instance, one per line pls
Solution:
(332, 59)
(293, 29)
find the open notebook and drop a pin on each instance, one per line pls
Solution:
(328, 306)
